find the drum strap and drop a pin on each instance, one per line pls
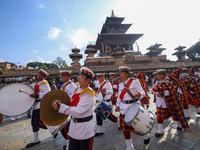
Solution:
(129, 92)
(101, 89)
(66, 85)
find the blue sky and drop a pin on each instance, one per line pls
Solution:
(41, 30)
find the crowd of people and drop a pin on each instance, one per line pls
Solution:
(173, 92)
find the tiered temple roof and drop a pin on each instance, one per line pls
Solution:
(113, 33)
(180, 53)
(155, 50)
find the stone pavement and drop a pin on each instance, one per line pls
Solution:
(15, 135)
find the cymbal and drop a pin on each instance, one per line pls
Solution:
(55, 122)
(48, 114)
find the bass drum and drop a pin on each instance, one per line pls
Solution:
(14, 103)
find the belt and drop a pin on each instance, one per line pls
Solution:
(38, 100)
(78, 120)
(129, 101)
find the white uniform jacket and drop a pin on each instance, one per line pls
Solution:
(84, 108)
(108, 93)
(136, 86)
(69, 89)
(43, 89)
(160, 101)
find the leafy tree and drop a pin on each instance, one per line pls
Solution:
(2, 67)
(194, 52)
(39, 64)
(43, 67)
(60, 62)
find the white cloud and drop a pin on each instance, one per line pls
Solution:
(63, 47)
(2, 60)
(64, 19)
(34, 51)
(30, 60)
(40, 5)
(54, 33)
(39, 59)
(82, 37)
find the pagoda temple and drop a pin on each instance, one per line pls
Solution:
(114, 45)
(180, 53)
(155, 53)
(113, 34)
(75, 57)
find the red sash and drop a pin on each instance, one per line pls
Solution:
(124, 90)
(75, 99)
(36, 88)
(101, 87)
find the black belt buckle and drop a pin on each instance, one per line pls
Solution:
(75, 120)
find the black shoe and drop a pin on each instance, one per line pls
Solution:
(97, 134)
(187, 117)
(147, 141)
(156, 113)
(147, 106)
(198, 113)
(32, 144)
(179, 128)
(119, 128)
(55, 135)
(158, 134)
(29, 116)
(64, 147)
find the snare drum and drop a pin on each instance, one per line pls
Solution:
(140, 119)
(55, 129)
(103, 109)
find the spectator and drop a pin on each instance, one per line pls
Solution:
(52, 85)
(32, 85)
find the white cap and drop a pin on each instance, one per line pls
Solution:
(43, 72)
(62, 72)
(87, 71)
(124, 68)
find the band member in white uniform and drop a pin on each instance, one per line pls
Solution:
(125, 101)
(68, 86)
(81, 130)
(107, 90)
(41, 88)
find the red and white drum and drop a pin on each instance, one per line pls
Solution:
(140, 119)
(14, 103)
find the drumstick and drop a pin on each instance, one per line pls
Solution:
(21, 90)
(136, 91)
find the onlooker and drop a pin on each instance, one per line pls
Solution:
(96, 84)
(52, 85)
(32, 85)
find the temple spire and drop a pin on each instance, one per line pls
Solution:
(112, 15)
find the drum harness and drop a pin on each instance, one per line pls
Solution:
(104, 94)
(130, 94)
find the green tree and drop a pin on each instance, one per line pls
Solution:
(43, 67)
(194, 52)
(39, 64)
(60, 62)
(2, 67)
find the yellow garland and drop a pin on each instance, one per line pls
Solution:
(43, 82)
(88, 89)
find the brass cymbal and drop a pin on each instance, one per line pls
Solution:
(48, 114)
(55, 122)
